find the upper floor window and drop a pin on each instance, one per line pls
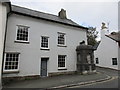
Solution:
(22, 33)
(11, 62)
(61, 39)
(114, 61)
(44, 42)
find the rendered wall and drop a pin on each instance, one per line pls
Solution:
(107, 50)
(30, 54)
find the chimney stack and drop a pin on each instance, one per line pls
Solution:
(104, 30)
(62, 14)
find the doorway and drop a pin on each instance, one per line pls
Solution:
(44, 67)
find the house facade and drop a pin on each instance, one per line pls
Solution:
(40, 44)
(4, 10)
(107, 54)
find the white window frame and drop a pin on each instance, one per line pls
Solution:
(60, 68)
(12, 70)
(64, 45)
(17, 31)
(41, 42)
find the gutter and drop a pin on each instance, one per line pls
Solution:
(112, 38)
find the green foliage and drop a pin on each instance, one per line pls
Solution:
(91, 36)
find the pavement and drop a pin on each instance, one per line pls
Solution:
(61, 81)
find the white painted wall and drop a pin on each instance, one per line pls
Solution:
(107, 50)
(3, 15)
(30, 54)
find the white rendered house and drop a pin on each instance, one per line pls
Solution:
(40, 44)
(107, 54)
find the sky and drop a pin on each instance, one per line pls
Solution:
(84, 12)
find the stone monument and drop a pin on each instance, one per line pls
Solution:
(85, 58)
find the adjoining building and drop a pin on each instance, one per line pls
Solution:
(107, 53)
(40, 44)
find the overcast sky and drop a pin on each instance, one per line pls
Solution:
(84, 12)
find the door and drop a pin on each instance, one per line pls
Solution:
(44, 67)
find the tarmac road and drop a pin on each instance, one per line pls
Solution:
(112, 83)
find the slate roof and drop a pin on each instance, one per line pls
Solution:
(5, 1)
(44, 16)
(115, 36)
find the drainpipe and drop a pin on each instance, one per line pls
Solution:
(4, 41)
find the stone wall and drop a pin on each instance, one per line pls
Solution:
(6, 80)
(61, 73)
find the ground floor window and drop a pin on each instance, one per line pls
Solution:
(11, 61)
(97, 60)
(114, 61)
(61, 61)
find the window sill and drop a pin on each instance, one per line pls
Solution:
(62, 68)
(27, 42)
(61, 45)
(44, 49)
(7, 72)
